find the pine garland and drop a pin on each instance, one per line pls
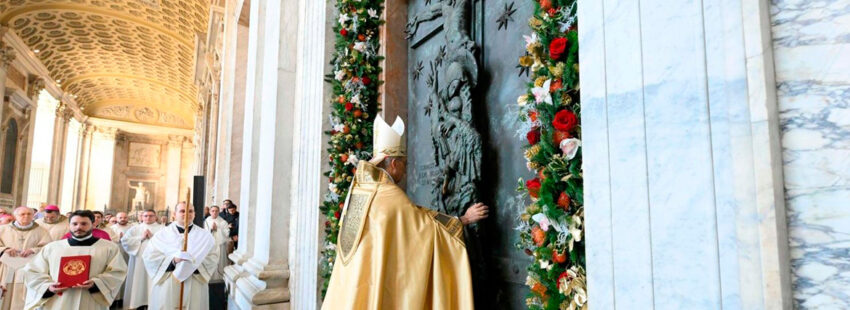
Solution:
(356, 68)
(551, 227)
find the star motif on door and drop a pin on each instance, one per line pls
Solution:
(506, 17)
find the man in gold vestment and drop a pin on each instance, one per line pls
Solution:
(392, 254)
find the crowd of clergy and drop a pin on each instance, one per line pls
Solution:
(136, 261)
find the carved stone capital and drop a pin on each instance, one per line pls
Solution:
(108, 133)
(36, 85)
(7, 55)
(60, 109)
(174, 140)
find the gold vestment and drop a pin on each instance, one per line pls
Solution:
(392, 254)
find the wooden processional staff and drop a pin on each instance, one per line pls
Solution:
(185, 237)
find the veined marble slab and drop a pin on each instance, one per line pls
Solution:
(812, 44)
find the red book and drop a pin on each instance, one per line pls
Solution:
(74, 270)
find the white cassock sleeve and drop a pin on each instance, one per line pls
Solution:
(166, 244)
(109, 281)
(132, 240)
(156, 262)
(37, 279)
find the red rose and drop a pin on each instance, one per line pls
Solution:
(557, 47)
(565, 120)
(538, 236)
(564, 201)
(343, 32)
(366, 80)
(556, 85)
(545, 4)
(532, 115)
(562, 276)
(345, 129)
(357, 113)
(361, 37)
(558, 136)
(559, 257)
(343, 157)
(533, 186)
(533, 136)
(349, 106)
(336, 214)
(552, 12)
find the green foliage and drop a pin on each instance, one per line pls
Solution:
(552, 225)
(354, 80)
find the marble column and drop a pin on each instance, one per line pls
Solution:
(71, 162)
(172, 177)
(60, 134)
(100, 175)
(232, 99)
(26, 147)
(250, 137)
(267, 272)
(682, 163)
(86, 131)
(307, 155)
(7, 55)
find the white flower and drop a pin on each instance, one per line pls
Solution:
(360, 46)
(570, 147)
(545, 264)
(372, 13)
(531, 40)
(541, 94)
(332, 196)
(332, 187)
(356, 99)
(339, 127)
(330, 246)
(352, 160)
(528, 165)
(564, 26)
(522, 100)
(343, 18)
(339, 75)
(541, 219)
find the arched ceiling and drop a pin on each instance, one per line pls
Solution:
(130, 60)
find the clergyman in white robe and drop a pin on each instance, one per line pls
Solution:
(137, 287)
(218, 227)
(201, 261)
(121, 229)
(107, 271)
(20, 238)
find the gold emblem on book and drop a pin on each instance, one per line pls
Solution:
(74, 267)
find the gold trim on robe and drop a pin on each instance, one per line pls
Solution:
(393, 254)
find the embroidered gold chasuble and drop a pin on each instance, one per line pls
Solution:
(392, 254)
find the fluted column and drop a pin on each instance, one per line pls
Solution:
(60, 135)
(26, 155)
(307, 156)
(172, 177)
(7, 55)
(682, 161)
(83, 172)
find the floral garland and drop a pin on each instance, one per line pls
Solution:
(356, 66)
(551, 228)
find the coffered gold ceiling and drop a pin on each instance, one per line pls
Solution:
(128, 60)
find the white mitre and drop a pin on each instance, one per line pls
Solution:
(387, 140)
